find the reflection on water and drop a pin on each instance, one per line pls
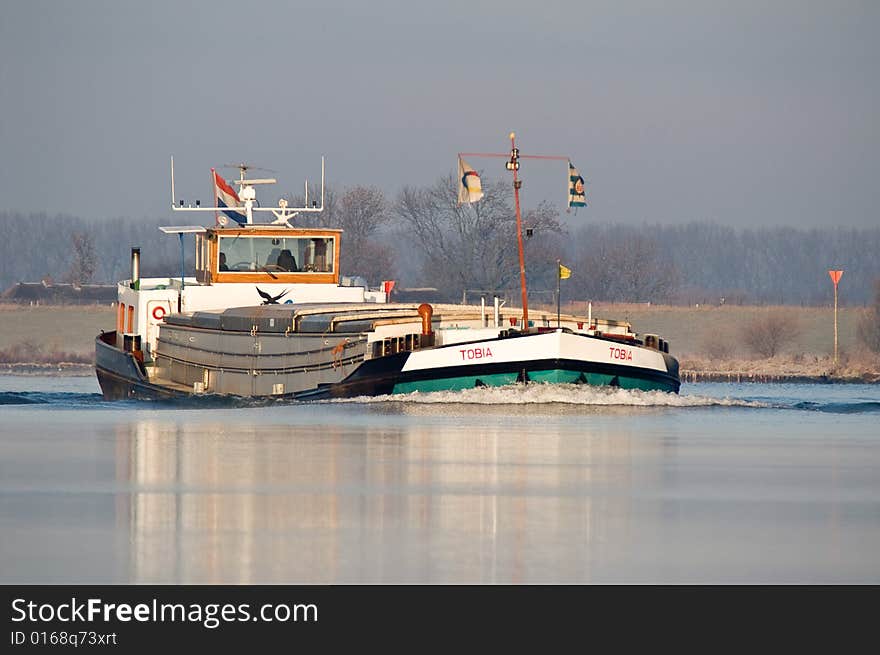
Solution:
(737, 491)
(214, 502)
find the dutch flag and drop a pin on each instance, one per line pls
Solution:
(227, 198)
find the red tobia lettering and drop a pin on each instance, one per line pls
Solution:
(475, 353)
(620, 353)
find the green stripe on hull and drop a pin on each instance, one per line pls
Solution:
(552, 376)
(456, 384)
(555, 376)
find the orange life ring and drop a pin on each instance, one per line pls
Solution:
(158, 312)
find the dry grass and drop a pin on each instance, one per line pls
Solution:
(704, 330)
(28, 352)
(705, 338)
(66, 329)
(709, 339)
(861, 366)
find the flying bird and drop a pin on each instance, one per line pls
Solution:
(269, 299)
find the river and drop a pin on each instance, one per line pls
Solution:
(725, 483)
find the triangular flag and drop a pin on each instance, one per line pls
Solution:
(577, 194)
(564, 272)
(469, 187)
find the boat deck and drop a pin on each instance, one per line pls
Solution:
(319, 318)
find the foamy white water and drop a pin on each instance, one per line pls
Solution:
(568, 394)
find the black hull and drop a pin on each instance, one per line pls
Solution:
(385, 376)
(122, 378)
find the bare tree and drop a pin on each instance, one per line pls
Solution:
(869, 323)
(84, 259)
(767, 334)
(468, 246)
(361, 212)
(624, 264)
(717, 346)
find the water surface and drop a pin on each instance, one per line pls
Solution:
(724, 483)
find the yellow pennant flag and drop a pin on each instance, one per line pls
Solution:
(564, 273)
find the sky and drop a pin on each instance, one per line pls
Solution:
(741, 113)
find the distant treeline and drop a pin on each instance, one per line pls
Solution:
(705, 263)
(422, 238)
(36, 246)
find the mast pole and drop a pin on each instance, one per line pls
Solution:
(835, 324)
(513, 165)
(558, 290)
(214, 196)
(182, 273)
(835, 279)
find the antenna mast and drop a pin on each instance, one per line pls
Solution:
(247, 195)
(512, 165)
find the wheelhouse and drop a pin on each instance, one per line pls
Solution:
(268, 254)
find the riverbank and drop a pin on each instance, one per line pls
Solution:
(51, 340)
(57, 369)
(59, 341)
(797, 369)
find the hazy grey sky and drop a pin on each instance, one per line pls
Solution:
(744, 113)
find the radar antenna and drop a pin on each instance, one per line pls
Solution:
(247, 196)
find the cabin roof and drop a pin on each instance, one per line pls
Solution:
(264, 229)
(182, 229)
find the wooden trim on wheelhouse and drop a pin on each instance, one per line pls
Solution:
(209, 273)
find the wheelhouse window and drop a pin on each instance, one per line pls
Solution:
(201, 252)
(248, 254)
